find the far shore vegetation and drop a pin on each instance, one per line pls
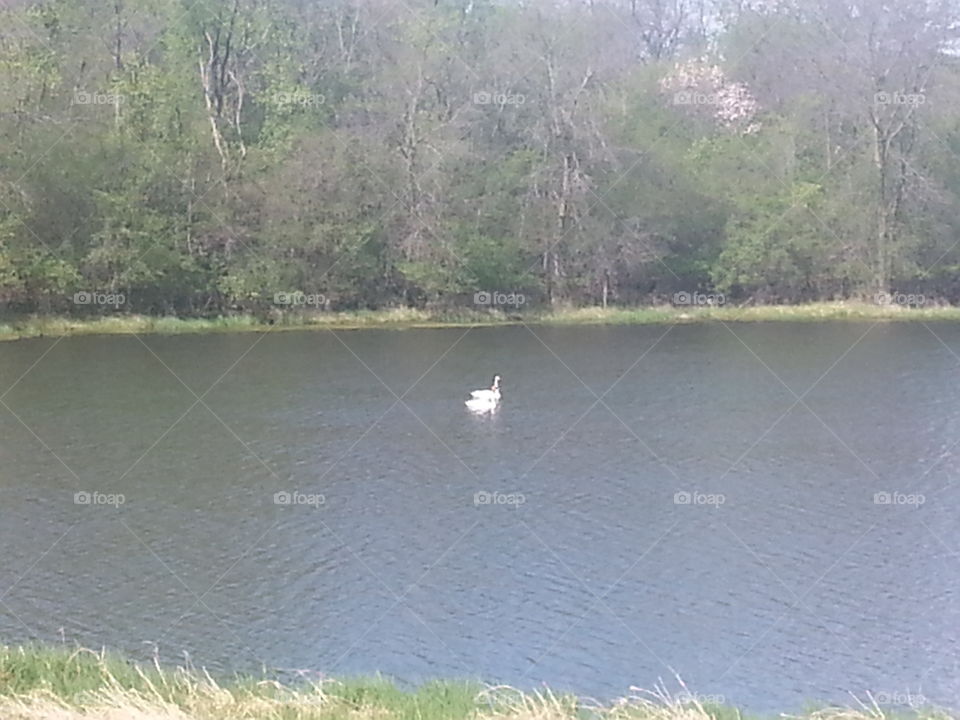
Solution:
(610, 152)
(65, 683)
(32, 326)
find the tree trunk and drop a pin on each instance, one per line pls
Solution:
(880, 148)
(563, 221)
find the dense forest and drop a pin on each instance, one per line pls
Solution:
(209, 157)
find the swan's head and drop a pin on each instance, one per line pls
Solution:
(496, 382)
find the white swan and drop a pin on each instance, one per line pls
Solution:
(486, 399)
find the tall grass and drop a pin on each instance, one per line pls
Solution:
(59, 684)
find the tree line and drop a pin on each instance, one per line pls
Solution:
(201, 158)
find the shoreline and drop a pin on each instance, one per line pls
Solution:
(34, 326)
(74, 683)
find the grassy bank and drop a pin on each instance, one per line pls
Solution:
(43, 326)
(63, 684)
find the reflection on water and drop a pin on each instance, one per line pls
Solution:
(727, 502)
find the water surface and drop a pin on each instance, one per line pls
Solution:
(587, 569)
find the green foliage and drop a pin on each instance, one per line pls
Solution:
(202, 157)
(771, 246)
(493, 263)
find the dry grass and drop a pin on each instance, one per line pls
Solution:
(45, 684)
(400, 318)
(183, 697)
(205, 700)
(176, 695)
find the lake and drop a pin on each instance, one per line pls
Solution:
(768, 511)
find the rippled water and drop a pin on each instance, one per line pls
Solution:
(580, 563)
